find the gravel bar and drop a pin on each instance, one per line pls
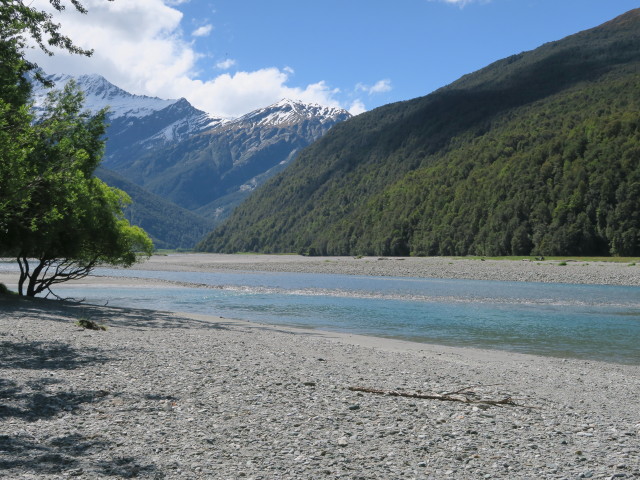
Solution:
(554, 271)
(167, 396)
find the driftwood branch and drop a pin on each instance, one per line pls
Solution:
(459, 396)
(469, 389)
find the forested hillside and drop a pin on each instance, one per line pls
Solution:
(538, 153)
(185, 169)
(168, 225)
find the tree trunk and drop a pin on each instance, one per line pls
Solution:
(33, 280)
(24, 273)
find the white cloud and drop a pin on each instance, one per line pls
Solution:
(138, 45)
(233, 95)
(202, 31)
(379, 87)
(226, 64)
(357, 107)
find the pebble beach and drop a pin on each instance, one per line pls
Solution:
(550, 271)
(166, 395)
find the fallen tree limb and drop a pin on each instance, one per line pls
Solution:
(449, 397)
(469, 390)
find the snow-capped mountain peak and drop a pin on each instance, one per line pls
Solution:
(137, 123)
(186, 156)
(287, 112)
(100, 93)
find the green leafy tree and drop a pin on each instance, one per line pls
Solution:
(71, 221)
(56, 218)
(20, 21)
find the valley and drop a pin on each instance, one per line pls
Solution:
(186, 170)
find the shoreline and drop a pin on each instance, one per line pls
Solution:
(547, 271)
(390, 343)
(620, 274)
(163, 395)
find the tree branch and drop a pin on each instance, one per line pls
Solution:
(65, 270)
(455, 397)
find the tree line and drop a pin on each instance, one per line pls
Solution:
(536, 154)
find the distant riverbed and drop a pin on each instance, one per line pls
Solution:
(599, 322)
(564, 320)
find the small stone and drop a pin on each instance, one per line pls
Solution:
(354, 407)
(342, 442)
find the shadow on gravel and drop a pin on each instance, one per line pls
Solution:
(140, 318)
(46, 356)
(41, 398)
(32, 401)
(68, 455)
(47, 398)
(16, 308)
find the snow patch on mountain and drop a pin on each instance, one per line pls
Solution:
(137, 123)
(100, 93)
(288, 112)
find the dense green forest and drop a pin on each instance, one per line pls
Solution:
(538, 154)
(168, 225)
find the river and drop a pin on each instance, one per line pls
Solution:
(563, 320)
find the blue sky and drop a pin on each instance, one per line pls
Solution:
(231, 56)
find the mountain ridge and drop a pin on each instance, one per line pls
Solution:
(174, 158)
(231, 159)
(99, 93)
(415, 177)
(288, 111)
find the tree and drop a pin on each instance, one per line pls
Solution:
(21, 20)
(71, 221)
(18, 23)
(56, 218)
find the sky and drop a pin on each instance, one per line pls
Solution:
(229, 57)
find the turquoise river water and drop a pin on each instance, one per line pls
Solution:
(576, 321)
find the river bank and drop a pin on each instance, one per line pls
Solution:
(163, 395)
(583, 272)
(548, 271)
(167, 395)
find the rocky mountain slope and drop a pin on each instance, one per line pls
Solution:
(534, 154)
(137, 124)
(170, 156)
(213, 171)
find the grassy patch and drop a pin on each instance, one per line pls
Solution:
(5, 291)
